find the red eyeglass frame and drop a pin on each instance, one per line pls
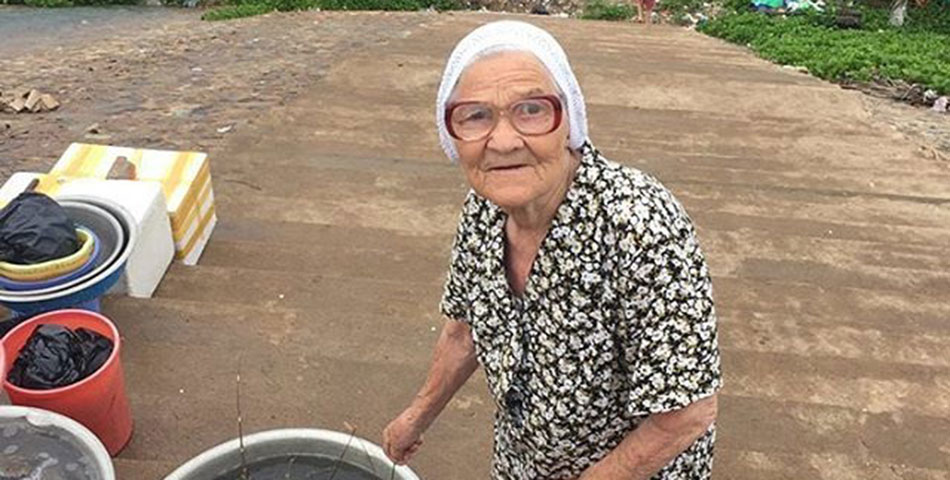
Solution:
(554, 99)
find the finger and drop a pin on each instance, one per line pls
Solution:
(399, 455)
(394, 455)
(391, 451)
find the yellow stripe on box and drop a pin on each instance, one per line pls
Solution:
(179, 228)
(190, 198)
(181, 254)
(69, 166)
(79, 164)
(184, 215)
(179, 172)
(187, 228)
(173, 177)
(48, 185)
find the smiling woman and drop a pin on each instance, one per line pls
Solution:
(510, 137)
(576, 283)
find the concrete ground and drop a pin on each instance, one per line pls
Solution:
(826, 232)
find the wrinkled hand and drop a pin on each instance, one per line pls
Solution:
(403, 437)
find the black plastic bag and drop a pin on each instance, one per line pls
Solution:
(34, 229)
(56, 356)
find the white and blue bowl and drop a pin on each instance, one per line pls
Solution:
(116, 231)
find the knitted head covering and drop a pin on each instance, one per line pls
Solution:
(510, 35)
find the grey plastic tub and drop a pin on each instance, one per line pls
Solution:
(67, 429)
(271, 444)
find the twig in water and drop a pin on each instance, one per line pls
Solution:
(369, 459)
(240, 422)
(290, 465)
(336, 466)
(315, 472)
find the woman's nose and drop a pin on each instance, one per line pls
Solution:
(504, 138)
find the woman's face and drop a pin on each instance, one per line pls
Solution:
(507, 167)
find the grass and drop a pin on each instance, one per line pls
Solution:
(608, 10)
(67, 3)
(934, 18)
(918, 53)
(237, 11)
(247, 8)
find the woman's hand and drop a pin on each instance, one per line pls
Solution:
(403, 436)
(454, 361)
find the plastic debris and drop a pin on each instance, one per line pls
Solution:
(941, 104)
(35, 229)
(56, 356)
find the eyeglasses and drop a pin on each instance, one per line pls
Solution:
(473, 121)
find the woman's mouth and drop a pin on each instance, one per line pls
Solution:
(507, 168)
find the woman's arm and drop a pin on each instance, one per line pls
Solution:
(655, 443)
(452, 364)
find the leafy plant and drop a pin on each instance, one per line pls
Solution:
(237, 11)
(607, 10)
(839, 55)
(678, 9)
(49, 3)
(246, 8)
(71, 3)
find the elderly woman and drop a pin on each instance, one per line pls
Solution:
(577, 283)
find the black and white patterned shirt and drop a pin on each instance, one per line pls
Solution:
(616, 323)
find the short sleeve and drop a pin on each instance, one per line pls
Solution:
(668, 330)
(455, 304)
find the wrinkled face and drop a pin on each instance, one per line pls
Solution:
(510, 168)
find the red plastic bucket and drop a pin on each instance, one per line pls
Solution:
(98, 401)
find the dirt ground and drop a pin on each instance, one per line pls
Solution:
(161, 78)
(824, 215)
(141, 77)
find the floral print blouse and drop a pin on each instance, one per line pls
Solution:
(616, 323)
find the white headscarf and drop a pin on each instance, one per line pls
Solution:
(513, 35)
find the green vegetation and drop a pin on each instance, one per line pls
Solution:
(934, 18)
(677, 9)
(247, 8)
(228, 9)
(237, 11)
(67, 3)
(672, 10)
(49, 3)
(608, 10)
(917, 53)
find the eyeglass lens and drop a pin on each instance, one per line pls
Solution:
(534, 116)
